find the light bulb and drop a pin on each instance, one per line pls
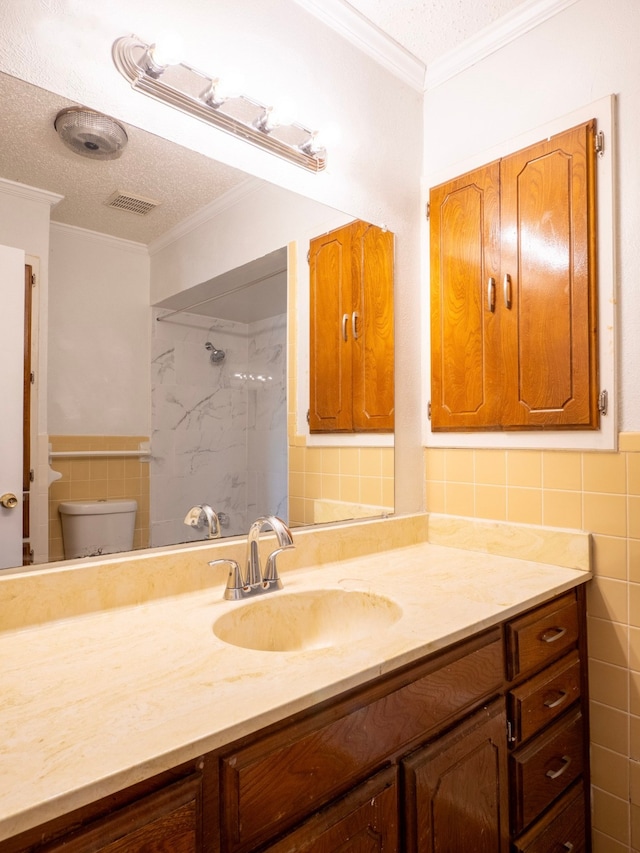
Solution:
(168, 49)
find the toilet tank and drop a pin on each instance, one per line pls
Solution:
(92, 528)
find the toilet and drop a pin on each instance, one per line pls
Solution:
(92, 528)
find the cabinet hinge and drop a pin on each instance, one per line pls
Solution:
(603, 402)
(309, 256)
(32, 377)
(510, 737)
(308, 416)
(429, 410)
(427, 210)
(33, 279)
(599, 143)
(32, 475)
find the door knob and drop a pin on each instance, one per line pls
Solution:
(8, 500)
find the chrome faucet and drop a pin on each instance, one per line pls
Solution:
(254, 581)
(203, 514)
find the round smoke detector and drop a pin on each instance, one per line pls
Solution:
(90, 134)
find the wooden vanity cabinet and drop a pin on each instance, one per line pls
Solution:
(351, 338)
(273, 781)
(548, 727)
(481, 747)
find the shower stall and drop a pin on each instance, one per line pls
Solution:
(219, 422)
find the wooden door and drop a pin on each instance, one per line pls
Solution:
(27, 552)
(548, 257)
(11, 393)
(372, 328)
(330, 340)
(467, 358)
(456, 789)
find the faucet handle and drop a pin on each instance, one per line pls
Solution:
(271, 576)
(235, 585)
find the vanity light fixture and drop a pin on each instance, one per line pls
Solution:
(198, 94)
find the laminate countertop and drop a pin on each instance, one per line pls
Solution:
(94, 702)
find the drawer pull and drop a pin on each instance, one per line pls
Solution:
(553, 634)
(555, 703)
(554, 774)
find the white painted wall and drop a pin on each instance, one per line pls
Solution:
(279, 49)
(584, 53)
(98, 306)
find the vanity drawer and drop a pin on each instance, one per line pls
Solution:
(563, 828)
(275, 781)
(541, 635)
(541, 699)
(545, 768)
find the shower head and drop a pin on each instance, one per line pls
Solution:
(217, 355)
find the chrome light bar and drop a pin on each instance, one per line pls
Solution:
(198, 94)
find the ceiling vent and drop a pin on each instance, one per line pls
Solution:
(90, 134)
(131, 203)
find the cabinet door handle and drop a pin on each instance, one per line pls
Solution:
(555, 703)
(507, 290)
(568, 846)
(553, 634)
(491, 294)
(354, 325)
(345, 323)
(554, 774)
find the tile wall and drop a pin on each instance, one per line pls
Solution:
(321, 479)
(96, 478)
(599, 493)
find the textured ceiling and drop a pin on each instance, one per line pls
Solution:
(183, 181)
(431, 28)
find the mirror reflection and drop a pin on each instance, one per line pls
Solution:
(171, 349)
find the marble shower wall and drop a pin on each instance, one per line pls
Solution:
(219, 431)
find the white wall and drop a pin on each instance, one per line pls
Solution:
(280, 49)
(584, 53)
(98, 307)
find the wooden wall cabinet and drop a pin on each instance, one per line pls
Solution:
(513, 291)
(351, 361)
(482, 747)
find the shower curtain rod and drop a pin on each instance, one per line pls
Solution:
(220, 295)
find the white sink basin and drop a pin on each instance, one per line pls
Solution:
(316, 619)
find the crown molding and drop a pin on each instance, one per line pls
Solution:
(362, 33)
(210, 211)
(29, 193)
(115, 242)
(490, 39)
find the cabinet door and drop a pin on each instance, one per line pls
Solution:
(170, 819)
(372, 328)
(456, 789)
(466, 352)
(351, 361)
(365, 821)
(330, 398)
(548, 269)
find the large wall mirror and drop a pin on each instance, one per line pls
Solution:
(176, 342)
